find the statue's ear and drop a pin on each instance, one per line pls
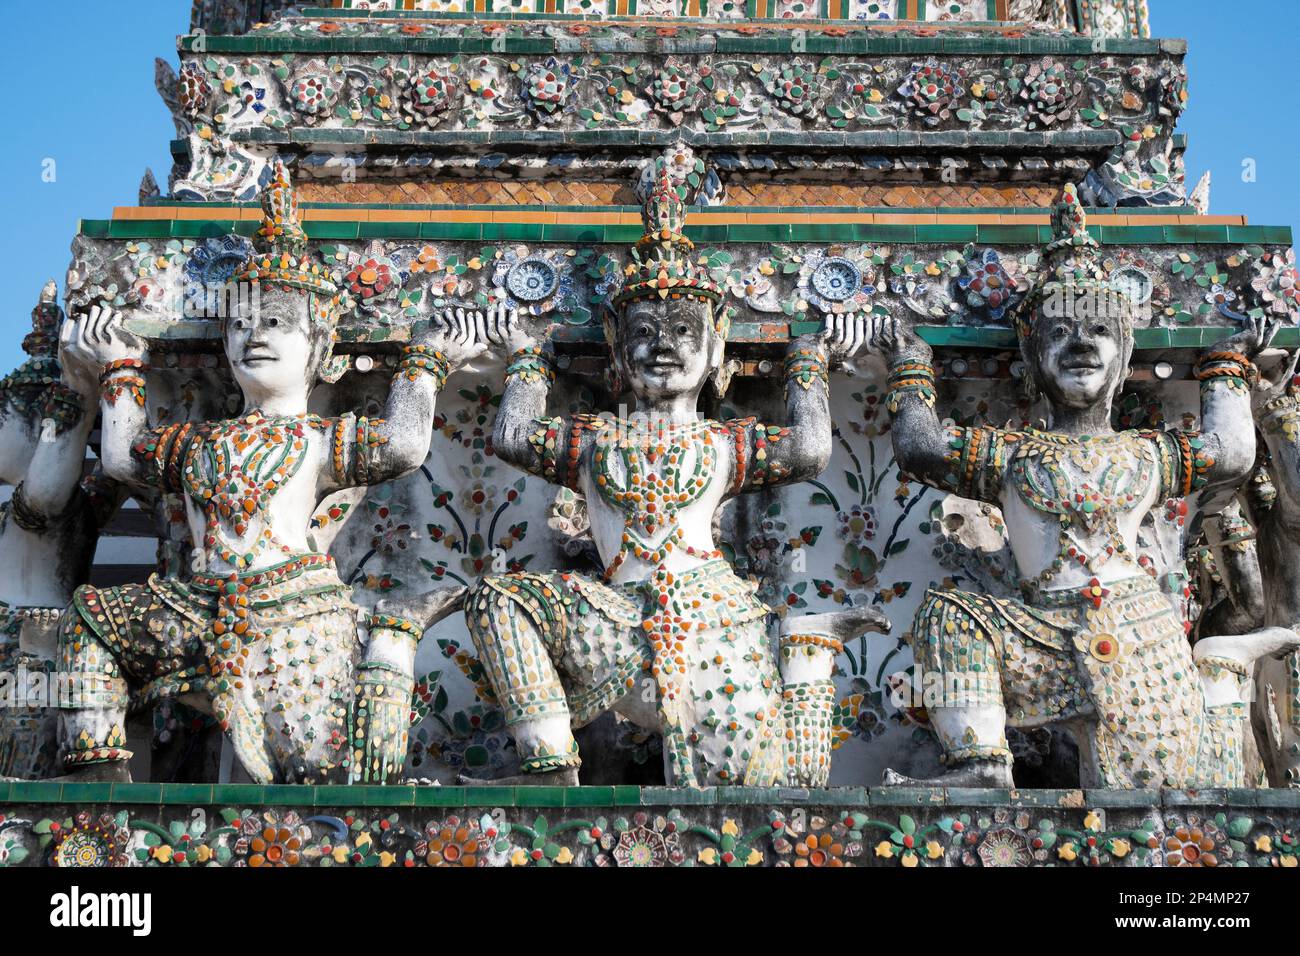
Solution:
(332, 368)
(1029, 382)
(721, 376)
(717, 348)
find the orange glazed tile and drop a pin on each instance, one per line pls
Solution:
(1214, 220)
(591, 218)
(335, 215)
(516, 214)
(401, 215)
(906, 219)
(217, 213)
(462, 215)
(832, 217)
(1147, 220)
(697, 218)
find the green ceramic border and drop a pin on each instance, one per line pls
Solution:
(691, 38)
(984, 233)
(169, 794)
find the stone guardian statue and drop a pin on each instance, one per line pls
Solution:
(669, 636)
(1093, 643)
(263, 634)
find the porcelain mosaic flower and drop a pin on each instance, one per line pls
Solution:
(1277, 283)
(1050, 91)
(1004, 847)
(1190, 846)
(816, 845)
(796, 88)
(932, 89)
(311, 94)
(535, 282)
(546, 87)
(193, 90)
(857, 525)
(641, 842)
(673, 88)
(211, 263)
(89, 840)
(453, 842)
(838, 281)
(429, 95)
(271, 840)
(987, 284)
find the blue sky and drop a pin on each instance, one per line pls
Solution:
(84, 97)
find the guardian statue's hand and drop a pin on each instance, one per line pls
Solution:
(846, 335)
(508, 332)
(77, 375)
(1273, 383)
(895, 341)
(456, 334)
(97, 338)
(1255, 335)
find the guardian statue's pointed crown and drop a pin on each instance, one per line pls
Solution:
(43, 340)
(662, 263)
(281, 257)
(1070, 266)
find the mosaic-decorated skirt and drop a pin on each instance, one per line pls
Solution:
(696, 644)
(288, 716)
(1119, 662)
(28, 738)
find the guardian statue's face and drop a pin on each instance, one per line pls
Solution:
(1079, 356)
(667, 347)
(272, 344)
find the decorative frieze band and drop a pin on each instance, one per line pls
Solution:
(780, 270)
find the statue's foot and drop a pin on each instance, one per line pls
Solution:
(109, 771)
(973, 774)
(1246, 649)
(843, 625)
(563, 777)
(427, 608)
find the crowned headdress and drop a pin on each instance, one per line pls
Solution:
(280, 256)
(42, 342)
(41, 370)
(281, 260)
(1070, 266)
(662, 263)
(36, 385)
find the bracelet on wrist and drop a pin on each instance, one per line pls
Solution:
(531, 364)
(420, 360)
(1227, 364)
(114, 387)
(910, 378)
(117, 365)
(1232, 369)
(805, 366)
